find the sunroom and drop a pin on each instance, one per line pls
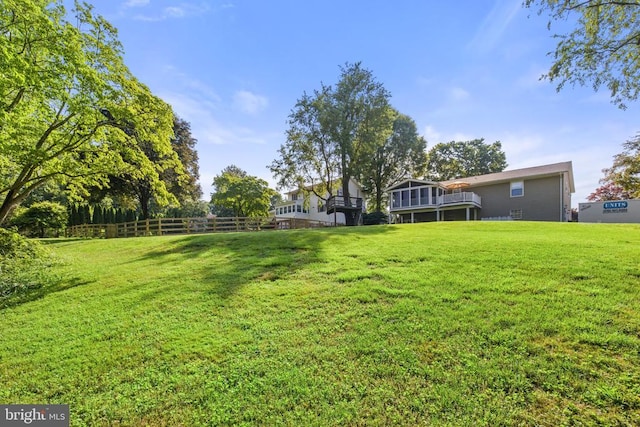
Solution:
(415, 200)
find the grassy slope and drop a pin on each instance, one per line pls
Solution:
(444, 323)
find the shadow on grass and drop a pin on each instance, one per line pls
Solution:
(33, 292)
(32, 278)
(226, 262)
(51, 241)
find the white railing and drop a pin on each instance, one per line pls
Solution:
(496, 218)
(466, 197)
(446, 199)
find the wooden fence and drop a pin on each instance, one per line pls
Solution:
(170, 226)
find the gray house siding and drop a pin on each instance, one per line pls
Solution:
(540, 202)
(543, 194)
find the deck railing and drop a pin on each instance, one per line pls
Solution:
(170, 226)
(338, 202)
(463, 197)
(439, 201)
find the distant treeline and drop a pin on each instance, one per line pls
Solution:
(96, 214)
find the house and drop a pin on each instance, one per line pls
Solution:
(303, 204)
(540, 193)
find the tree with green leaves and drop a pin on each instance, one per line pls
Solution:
(242, 194)
(184, 185)
(178, 170)
(625, 171)
(42, 219)
(144, 189)
(332, 133)
(460, 159)
(70, 110)
(602, 50)
(400, 155)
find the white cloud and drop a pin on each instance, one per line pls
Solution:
(183, 10)
(248, 102)
(136, 3)
(174, 12)
(494, 25)
(458, 94)
(432, 135)
(425, 82)
(520, 146)
(207, 128)
(207, 94)
(220, 141)
(532, 78)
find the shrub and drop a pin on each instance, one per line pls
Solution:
(375, 218)
(23, 267)
(42, 219)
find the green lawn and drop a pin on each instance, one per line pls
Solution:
(461, 324)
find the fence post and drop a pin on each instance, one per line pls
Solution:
(147, 232)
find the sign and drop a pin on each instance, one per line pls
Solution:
(34, 415)
(616, 205)
(612, 211)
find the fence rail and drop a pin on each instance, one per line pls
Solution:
(171, 226)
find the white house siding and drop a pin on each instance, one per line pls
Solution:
(313, 208)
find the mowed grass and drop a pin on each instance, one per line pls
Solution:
(480, 323)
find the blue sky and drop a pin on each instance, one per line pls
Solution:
(462, 70)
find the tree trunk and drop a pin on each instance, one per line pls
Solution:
(7, 206)
(349, 215)
(144, 205)
(378, 198)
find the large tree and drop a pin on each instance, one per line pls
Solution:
(184, 186)
(332, 131)
(402, 154)
(608, 191)
(178, 170)
(625, 171)
(241, 194)
(603, 49)
(459, 159)
(70, 110)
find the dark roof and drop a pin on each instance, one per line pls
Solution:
(412, 180)
(532, 172)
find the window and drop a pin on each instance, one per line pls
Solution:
(515, 213)
(396, 199)
(321, 207)
(424, 196)
(414, 197)
(517, 189)
(298, 208)
(405, 198)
